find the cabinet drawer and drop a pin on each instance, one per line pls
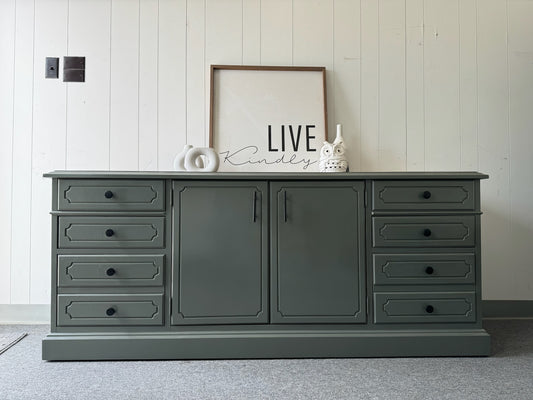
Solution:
(93, 309)
(423, 195)
(435, 231)
(110, 270)
(110, 195)
(424, 269)
(424, 307)
(111, 232)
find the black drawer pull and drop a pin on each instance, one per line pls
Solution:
(108, 194)
(427, 232)
(109, 232)
(430, 309)
(426, 194)
(110, 271)
(110, 311)
(429, 270)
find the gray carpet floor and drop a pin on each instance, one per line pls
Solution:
(507, 374)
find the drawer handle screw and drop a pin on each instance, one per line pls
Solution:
(110, 311)
(427, 232)
(426, 194)
(429, 270)
(110, 271)
(430, 309)
(108, 194)
(109, 232)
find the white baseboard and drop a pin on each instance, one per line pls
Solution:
(29, 314)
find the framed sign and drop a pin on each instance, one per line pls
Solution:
(268, 118)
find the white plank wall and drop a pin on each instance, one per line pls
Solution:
(414, 85)
(22, 147)
(417, 84)
(148, 85)
(520, 64)
(493, 136)
(124, 85)
(7, 72)
(49, 137)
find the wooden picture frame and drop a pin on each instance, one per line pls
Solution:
(266, 118)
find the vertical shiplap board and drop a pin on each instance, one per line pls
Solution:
(223, 39)
(196, 73)
(493, 136)
(414, 85)
(441, 84)
(124, 86)
(276, 32)
(251, 32)
(7, 55)
(520, 54)
(148, 84)
(347, 68)
(49, 135)
(89, 35)
(22, 152)
(468, 84)
(223, 32)
(369, 85)
(172, 81)
(313, 45)
(392, 101)
(313, 33)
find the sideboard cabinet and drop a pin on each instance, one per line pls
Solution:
(165, 265)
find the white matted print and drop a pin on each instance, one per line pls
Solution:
(270, 119)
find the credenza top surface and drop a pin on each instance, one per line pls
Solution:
(99, 174)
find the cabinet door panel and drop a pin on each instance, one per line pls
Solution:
(220, 253)
(317, 252)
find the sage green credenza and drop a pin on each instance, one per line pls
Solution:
(165, 265)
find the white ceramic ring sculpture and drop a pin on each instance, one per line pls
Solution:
(191, 158)
(179, 161)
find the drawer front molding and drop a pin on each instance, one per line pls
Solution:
(111, 232)
(424, 307)
(437, 231)
(110, 270)
(110, 195)
(105, 310)
(424, 269)
(423, 195)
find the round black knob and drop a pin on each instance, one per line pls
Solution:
(110, 271)
(429, 270)
(108, 194)
(109, 232)
(110, 311)
(427, 232)
(426, 194)
(430, 309)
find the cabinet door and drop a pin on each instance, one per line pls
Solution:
(318, 252)
(220, 253)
